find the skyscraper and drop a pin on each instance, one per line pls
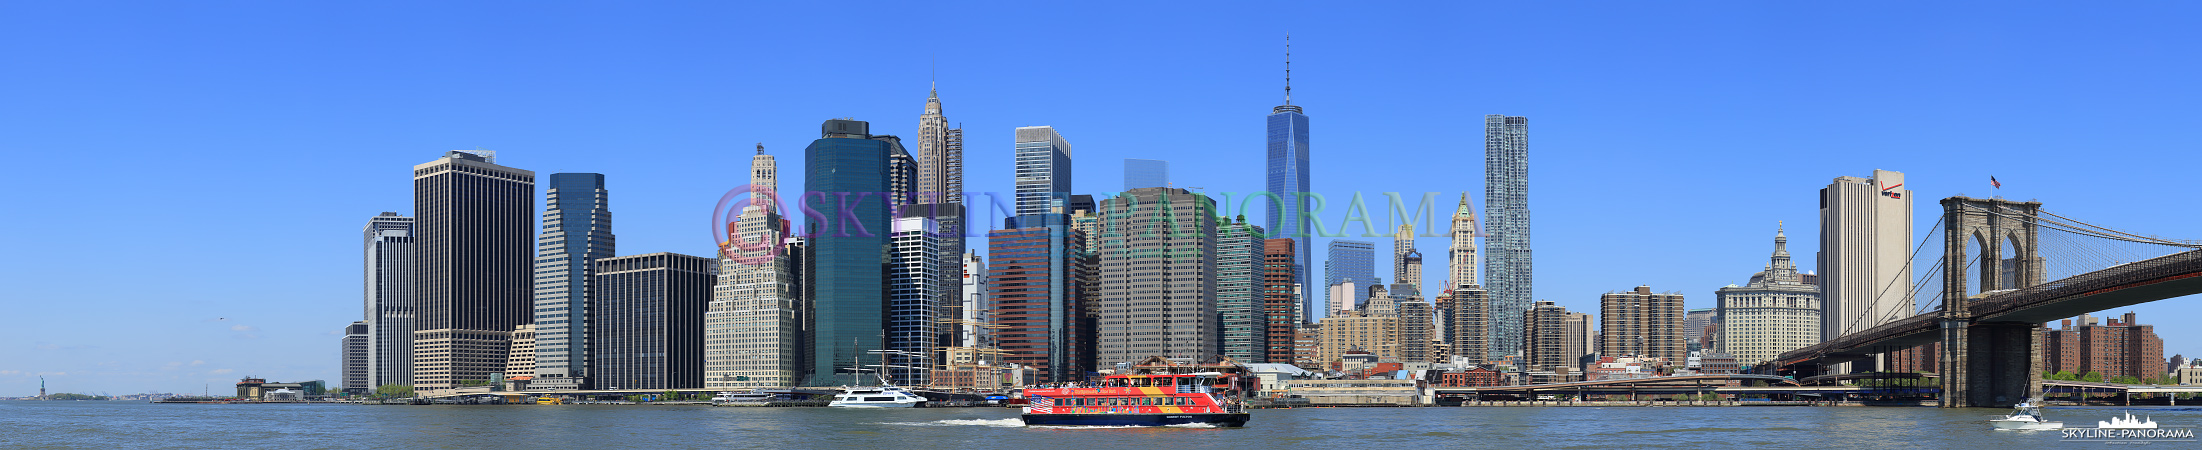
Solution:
(846, 260)
(1146, 173)
(939, 193)
(1581, 337)
(1402, 247)
(577, 229)
(1461, 265)
(753, 327)
(1468, 324)
(1281, 301)
(1043, 171)
(1865, 253)
(470, 266)
(1239, 293)
(1353, 261)
(916, 297)
(1158, 276)
(1287, 180)
(974, 312)
(1414, 329)
(1461, 255)
(646, 330)
(1641, 323)
(1506, 240)
(1033, 295)
(1546, 327)
(1777, 311)
(354, 355)
(389, 300)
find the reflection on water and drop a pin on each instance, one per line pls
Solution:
(115, 424)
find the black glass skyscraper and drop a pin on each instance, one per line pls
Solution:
(847, 175)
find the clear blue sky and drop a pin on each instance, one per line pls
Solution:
(191, 179)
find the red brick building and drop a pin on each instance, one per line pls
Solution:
(1472, 377)
(2120, 348)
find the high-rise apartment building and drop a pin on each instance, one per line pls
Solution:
(1240, 298)
(1641, 323)
(354, 350)
(846, 256)
(2121, 348)
(1415, 329)
(1349, 261)
(1286, 179)
(1506, 240)
(1043, 171)
(389, 300)
(1865, 253)
(1545, 326)
(646, 329)
(1281, 294)
(577, 229)
(753, 327)
(1777, 311)
(471, 261)
(1158, 276)
(1467, 323)
(1579, 336)
(1146, 173)
(916, 299)
(1378, 335)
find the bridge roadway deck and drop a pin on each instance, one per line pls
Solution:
(2126, 388)
(2169, 276)
(1683, 383)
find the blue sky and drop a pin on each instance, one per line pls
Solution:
(192, 179)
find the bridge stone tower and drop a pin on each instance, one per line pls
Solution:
(1989, 364)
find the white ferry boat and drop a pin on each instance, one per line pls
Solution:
(889, 396)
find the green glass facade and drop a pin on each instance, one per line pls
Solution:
(846, 220)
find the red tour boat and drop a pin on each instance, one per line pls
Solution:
(1139, 400)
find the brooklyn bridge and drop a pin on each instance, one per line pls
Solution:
(1991, 332)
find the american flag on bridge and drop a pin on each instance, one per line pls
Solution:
(1043, 405)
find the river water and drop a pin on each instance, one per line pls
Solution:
(134, 424)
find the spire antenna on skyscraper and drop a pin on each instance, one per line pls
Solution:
(1288, 69)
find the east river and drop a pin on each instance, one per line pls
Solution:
(137, 424)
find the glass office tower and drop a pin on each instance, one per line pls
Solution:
(845, 267)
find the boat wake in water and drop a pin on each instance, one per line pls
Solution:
(963, 422)
(1020, 423)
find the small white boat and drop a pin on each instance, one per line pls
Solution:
(2026, 416)
(2128, 422)
(889, 396)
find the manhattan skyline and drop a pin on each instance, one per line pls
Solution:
(1733, 125)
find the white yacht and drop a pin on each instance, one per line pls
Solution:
(2026, 416)
(889, 396)
(2127, 422)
